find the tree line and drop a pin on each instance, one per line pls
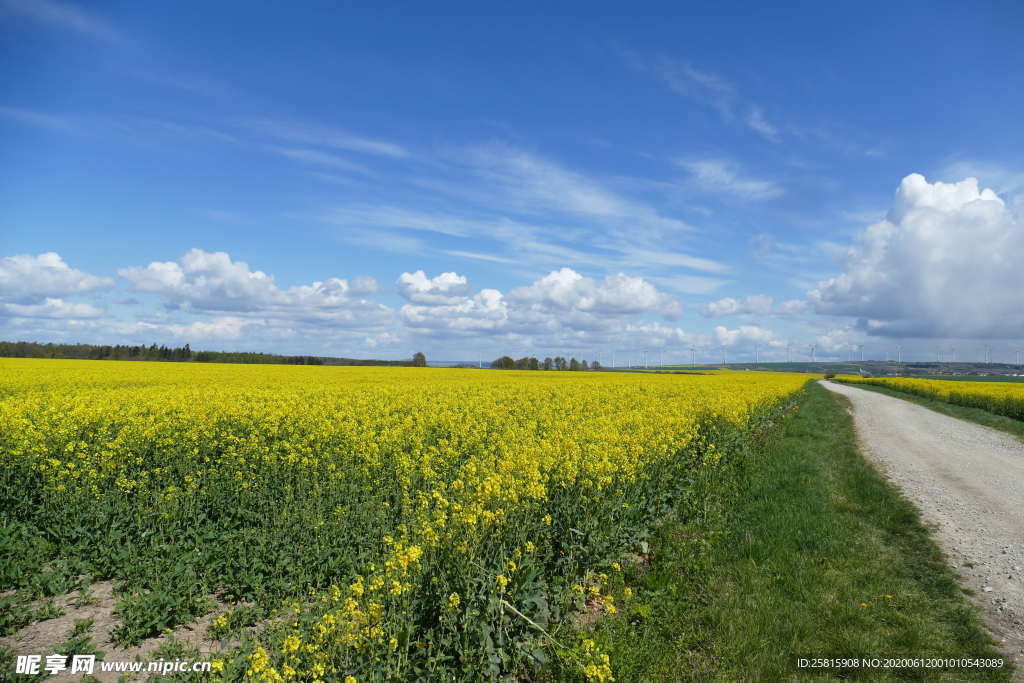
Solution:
(557, 363)
(179, 354)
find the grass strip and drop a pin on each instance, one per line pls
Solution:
(815, 555)
(976, 415)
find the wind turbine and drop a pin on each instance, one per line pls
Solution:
(813, 349)
(693, 356)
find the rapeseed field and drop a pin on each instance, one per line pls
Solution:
(365, 523)
(1001, 398)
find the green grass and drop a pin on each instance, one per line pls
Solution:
(800, 563)
(976, 415)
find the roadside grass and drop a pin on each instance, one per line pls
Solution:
(816, 555)
(977, 415)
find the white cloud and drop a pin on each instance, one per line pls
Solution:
(686, 80)
(757, 122)
(532, 184)
(227, 327)
(839, 340)
(709, 89)
(1002, 179)
(50, 308)
(619, 294)
(63, 16)
(560, 307)
(725, 177)
(34, 118)
(757, 304)
(446, 288)
(747, 336)
(26, 279)
(487, 310)
(322, 136)
(674, 260)
(944, 263)
(210, 282)
(312, 156)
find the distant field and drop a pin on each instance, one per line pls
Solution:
(948, 378)
(989, 394)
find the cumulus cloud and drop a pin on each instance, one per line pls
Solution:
(560, 305)
(746, 335)
(757, 304)
(27, 279)
(210, 282)
(50, 308)
(487, 310)
(446, 288)
(945, 262)
(619, 294)
(839, 339)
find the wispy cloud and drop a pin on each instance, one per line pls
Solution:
(322, 136)
(34, 118)
(312, 156)
(683, 79)
(756, 121)
(725, 177)
(839, 138)
(479, 257)
(520, 181)
(63, 16)
(708, 88)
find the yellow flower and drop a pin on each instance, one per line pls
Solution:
(453, 601)
(502, 581)
(291, 644)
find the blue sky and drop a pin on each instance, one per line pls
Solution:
(472, 181)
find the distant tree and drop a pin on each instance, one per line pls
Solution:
(560, 363)
(574, 364)
(596, 365)
(523, 363)
(549, 363)
(419, 360)
(534, 363)
(583, 365)
(504, 363)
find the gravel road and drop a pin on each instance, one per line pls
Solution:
(968, 483)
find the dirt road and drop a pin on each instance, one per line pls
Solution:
(968, 482)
